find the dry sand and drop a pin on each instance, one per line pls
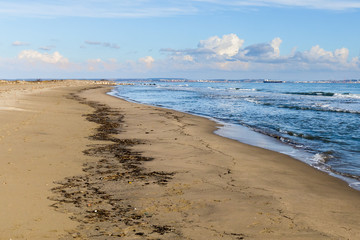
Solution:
(131, 171)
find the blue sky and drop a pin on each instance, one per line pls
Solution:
(235, 39)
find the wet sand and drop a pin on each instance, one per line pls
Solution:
(87, 165)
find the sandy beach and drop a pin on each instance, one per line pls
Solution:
(76, 163)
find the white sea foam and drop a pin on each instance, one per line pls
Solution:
(342, 95)
(252, 100)
(319, 158)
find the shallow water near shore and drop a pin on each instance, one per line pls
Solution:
(315, 123)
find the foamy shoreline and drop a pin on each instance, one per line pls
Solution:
(271, 142)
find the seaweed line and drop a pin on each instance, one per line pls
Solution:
(94, 198)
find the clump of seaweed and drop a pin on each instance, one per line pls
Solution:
(95, 198)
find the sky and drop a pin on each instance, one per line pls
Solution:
(195, 39)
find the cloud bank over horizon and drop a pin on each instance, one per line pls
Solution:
(227, 53)
(224, 54)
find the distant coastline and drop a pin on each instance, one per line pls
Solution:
(245, 80)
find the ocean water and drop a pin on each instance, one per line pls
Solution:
(318, 123)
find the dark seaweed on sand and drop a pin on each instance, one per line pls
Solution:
(94, 199)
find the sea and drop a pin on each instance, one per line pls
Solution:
(317, 123)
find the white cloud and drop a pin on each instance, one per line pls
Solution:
(341, 54)
(227, 45)
(319, 55)
(47, 48)
(261, 51)
(148, 61)
(33, 64)
(228, 48)
(111, 45)
(312, 4)
(153, 8)
(97, 9)
(227, 53)
(94, 64)
(104, 44)
(93, 43)
(33, 56)
(19, 43)
(275, 44)
(188, 58)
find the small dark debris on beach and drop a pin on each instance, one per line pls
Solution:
(94, 199)
(162, 229)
